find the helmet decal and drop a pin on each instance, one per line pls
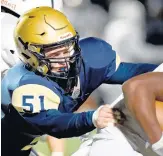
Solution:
(65, 36)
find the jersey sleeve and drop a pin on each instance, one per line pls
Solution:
(62, 125)
(35, 94)
(112, 58)
(126, 71)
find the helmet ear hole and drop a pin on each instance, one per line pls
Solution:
(33, 64)
(26, 56)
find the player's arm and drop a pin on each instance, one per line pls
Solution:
(118, 72)
(126, 71)
(63, 125)
(140, 94)
(40, 98)
(43, 103)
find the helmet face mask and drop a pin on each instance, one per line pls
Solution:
(62, 60)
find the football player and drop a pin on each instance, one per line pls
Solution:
(140, 95)
(9, 20)
(57, 74)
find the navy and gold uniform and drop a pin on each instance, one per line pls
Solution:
(37, 105)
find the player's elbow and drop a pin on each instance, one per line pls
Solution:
(134, 90)
(130, 87)
(134, 85)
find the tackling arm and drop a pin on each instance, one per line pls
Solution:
(118, 72)
(140, 94)
(42, 99)
(126, 71)
(63, 125)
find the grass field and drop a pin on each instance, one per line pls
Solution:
(70, 146)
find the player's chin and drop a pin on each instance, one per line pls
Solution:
(59, 70)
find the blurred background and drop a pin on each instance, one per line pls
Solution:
(134, 28)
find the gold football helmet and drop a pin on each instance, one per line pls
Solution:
(44, 28)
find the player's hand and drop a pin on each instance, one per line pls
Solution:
(103, 116)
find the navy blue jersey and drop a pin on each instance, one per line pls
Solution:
(42, 103)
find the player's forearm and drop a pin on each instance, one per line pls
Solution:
(126, 71)
(72, 125)
(140, 100)
(63, 125)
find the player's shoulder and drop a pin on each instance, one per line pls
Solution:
(96, 46)
(25, 80)
(96, 51)
(42, 92)
(39, 82)
(94, 42)
(22, 76)
(13, 75)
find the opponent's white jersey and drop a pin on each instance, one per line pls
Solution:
(159, 68)
(131, 129)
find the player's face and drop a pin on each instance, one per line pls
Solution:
(60, 54)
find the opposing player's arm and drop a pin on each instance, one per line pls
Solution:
(140, 94)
